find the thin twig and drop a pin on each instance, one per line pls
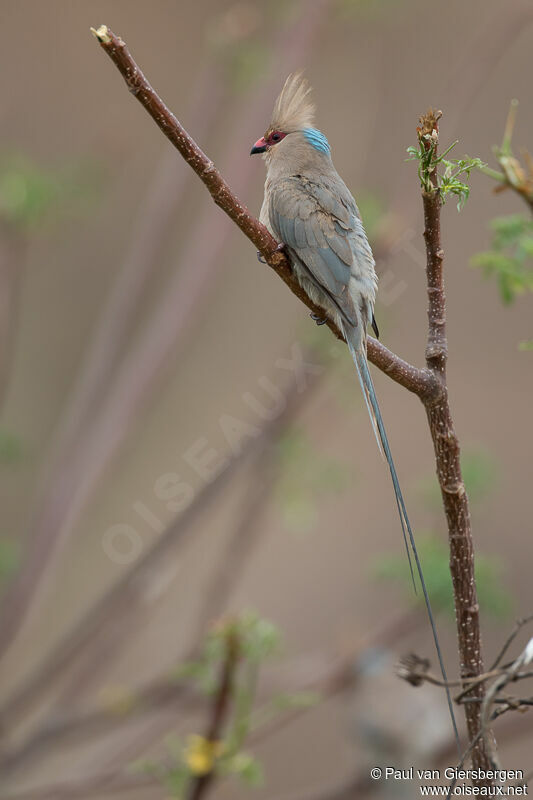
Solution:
(510, 674)
(510, 639)
(409, 672)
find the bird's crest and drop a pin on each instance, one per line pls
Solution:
(294, 110)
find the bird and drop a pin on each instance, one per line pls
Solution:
(310, 211)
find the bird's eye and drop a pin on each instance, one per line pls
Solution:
(276, 137)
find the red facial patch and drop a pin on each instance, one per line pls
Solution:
(275, 137)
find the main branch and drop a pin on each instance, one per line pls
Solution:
(447, 453)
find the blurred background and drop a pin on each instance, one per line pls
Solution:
(179, 443)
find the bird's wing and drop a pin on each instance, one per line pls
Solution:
(320, 224)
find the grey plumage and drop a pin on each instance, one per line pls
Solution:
(309, 208)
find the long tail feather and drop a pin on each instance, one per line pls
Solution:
(379, 439)
(376, 419)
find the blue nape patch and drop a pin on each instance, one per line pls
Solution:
(317, 140)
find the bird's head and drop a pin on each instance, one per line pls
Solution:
(292, 121)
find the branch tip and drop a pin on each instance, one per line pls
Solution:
(102, 34)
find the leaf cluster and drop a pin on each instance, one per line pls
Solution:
(445, 175)
(32, 196)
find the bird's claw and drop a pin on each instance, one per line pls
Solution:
(318, 319)
(281, 248)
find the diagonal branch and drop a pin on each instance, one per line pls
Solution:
(125, 599)
(419, 381)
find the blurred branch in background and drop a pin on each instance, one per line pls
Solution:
(510, 259)
(322, 675)
(513, 174)
(325, 676)
(137, 377)
(491, 41)
(360, 785)
(30, 197)
(203, 752)
(493, 37)
(88, 648)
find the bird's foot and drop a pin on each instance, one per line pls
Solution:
(318, 319)
(281, 248)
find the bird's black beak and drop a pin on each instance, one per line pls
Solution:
(259, 147)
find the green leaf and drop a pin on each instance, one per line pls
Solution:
(450, 182)
(434, 557)
(479, 473)
(11, 448)
(31, 195)
(510, 260)
(295, 700)
(305, 476)
(244, 766)
(439, 173)
(9, 557)
(260, 639)
(176, 781)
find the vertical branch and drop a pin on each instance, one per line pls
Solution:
(447, 451)
(219, 712)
